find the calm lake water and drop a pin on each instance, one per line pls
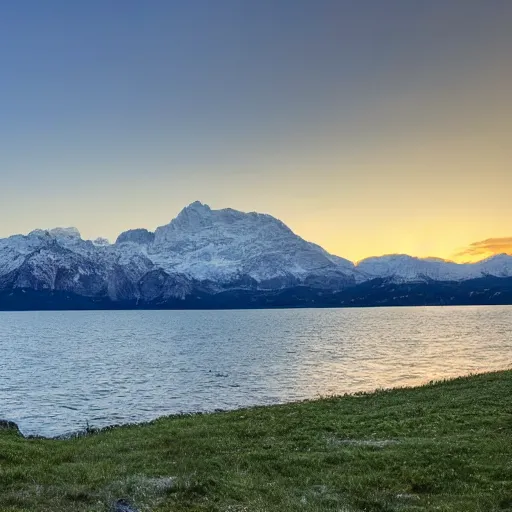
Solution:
(59, 369)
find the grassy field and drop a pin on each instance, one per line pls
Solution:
(442, 447)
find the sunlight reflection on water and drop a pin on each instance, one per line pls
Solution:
(61, 369)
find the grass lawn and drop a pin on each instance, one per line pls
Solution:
(442, 447)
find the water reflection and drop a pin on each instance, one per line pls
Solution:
(61, 369)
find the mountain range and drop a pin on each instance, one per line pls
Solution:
(207, 258)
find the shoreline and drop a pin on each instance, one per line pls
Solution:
(266, 308)
(90, 431)
(446, 445)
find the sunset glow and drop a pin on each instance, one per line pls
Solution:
(368, 129)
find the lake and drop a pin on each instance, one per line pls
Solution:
(60, 370)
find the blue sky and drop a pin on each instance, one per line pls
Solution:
(367, 126)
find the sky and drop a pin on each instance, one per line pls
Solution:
(368, 127)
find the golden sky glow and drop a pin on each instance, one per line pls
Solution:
(485, 248)
(368, 127)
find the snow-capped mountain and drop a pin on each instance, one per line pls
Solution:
(202, 253)
(201, 249)
(230, 247)
(400, 268)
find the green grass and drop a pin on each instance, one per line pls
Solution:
(442, 447)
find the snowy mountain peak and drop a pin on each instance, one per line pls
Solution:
(193, 217)
(387, 258)
(403, 268)
(228, 245)
(502, 257)
(198, 206)
(68, 233)
(65, 233)
(208, 251)
(40, 233)
(136, 236)
(195, 210)
(101, 242)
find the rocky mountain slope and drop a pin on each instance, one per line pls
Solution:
(205, 253)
